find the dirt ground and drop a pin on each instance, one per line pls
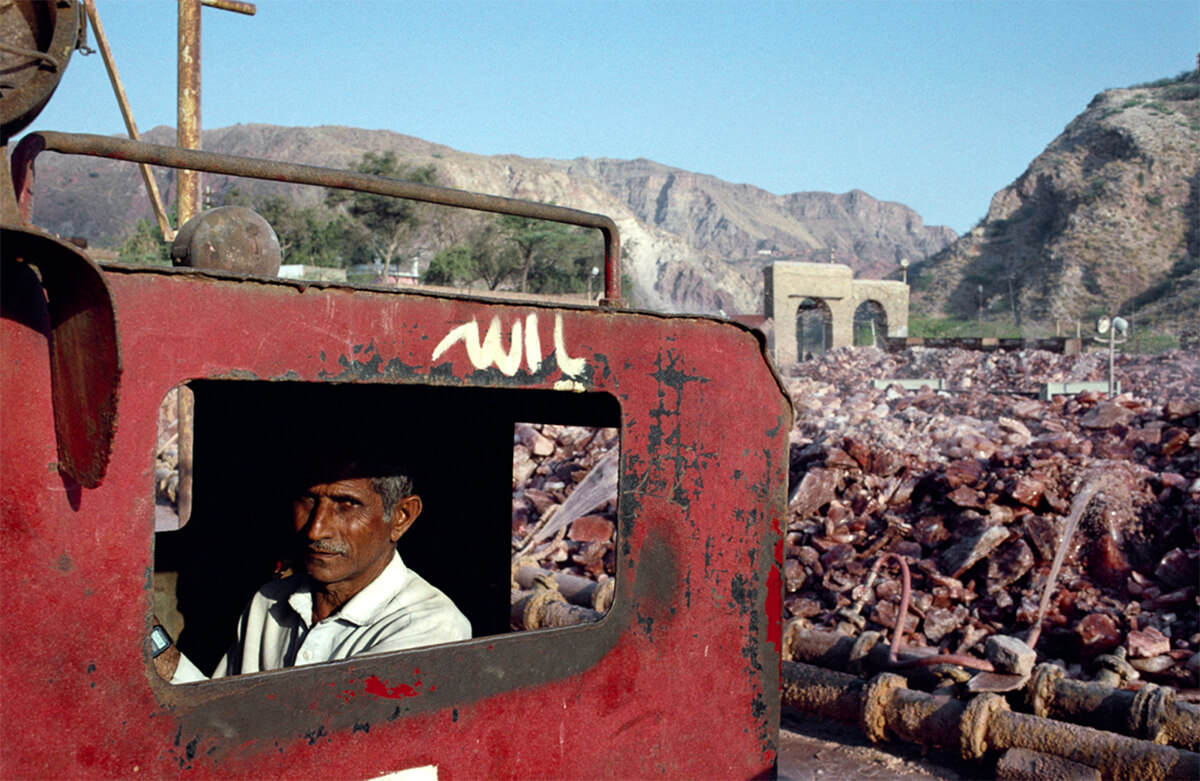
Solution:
(812, 749)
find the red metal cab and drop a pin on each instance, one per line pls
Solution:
(679, 679)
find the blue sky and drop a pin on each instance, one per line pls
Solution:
(936, 105)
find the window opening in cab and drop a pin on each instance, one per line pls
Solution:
(564, 523)
(173, 461)
(326, 521)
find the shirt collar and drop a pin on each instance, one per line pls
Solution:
(362, 608)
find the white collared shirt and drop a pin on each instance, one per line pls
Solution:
(397, 610)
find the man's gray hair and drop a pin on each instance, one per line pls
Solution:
(391, 489)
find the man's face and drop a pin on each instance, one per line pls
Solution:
(341, 532)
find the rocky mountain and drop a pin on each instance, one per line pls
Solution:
(692, 242)
(1103, 221)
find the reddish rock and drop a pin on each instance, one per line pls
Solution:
(885, 462)
(978, 446)
(859, 451)
(1106, 415)
(1008, 564)
(1107, 563)
(1112, 449)
(941, 621)
(930, 530)
(1148, 642)
(1173, 480)
(1178, 568)
(540, 499)
(837, 555)
(965, 496)
(794, 576)
(818, 488)
(884, 614)
(1055, 441)
(538, 444)
(591, 528)
(1143, 436)
(1028, 490)
(960, 556)
(840, 458)
(903, 491)
(803, 607)
(965, 471)
(1173, 440)
(1098, 633)
(1178, 409)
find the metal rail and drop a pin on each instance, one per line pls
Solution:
(172, 157)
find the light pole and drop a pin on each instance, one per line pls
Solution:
(593, 275)
(904, 269)
(1113, 327)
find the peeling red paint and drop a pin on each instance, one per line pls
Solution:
(398, 692)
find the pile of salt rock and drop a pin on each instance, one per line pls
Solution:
(973, 486)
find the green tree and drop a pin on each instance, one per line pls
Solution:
(385, 220)
(451, 267)
(551, 257)
(144, 242)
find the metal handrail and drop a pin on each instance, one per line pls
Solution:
(253, 168)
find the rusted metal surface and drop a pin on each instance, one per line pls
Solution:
(36, 41)
(187, 132)
(228, 238)
(544, 608)
(886, 708)
(85, 357)
(1151, 713)
(576, 590)
(703, 424)
(119, 149)
(249, 9)
(1155, 715)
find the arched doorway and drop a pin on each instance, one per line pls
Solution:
(814, 328)
(870, 324)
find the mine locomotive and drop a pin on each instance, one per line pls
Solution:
(680, 677)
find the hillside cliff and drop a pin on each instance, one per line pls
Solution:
(1104, 220)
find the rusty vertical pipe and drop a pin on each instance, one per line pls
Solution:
(188, 113)
(612, 268)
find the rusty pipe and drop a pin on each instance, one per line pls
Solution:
(864, 654)
(576, 590)
(886, 707)
(187, 132)
(252, 168)
(1151, 713)
(1154, 715)
(541, 608)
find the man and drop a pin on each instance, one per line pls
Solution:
(355, 596)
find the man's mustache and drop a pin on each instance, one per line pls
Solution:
(328, 546)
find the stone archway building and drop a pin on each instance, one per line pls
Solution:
(786, 285)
